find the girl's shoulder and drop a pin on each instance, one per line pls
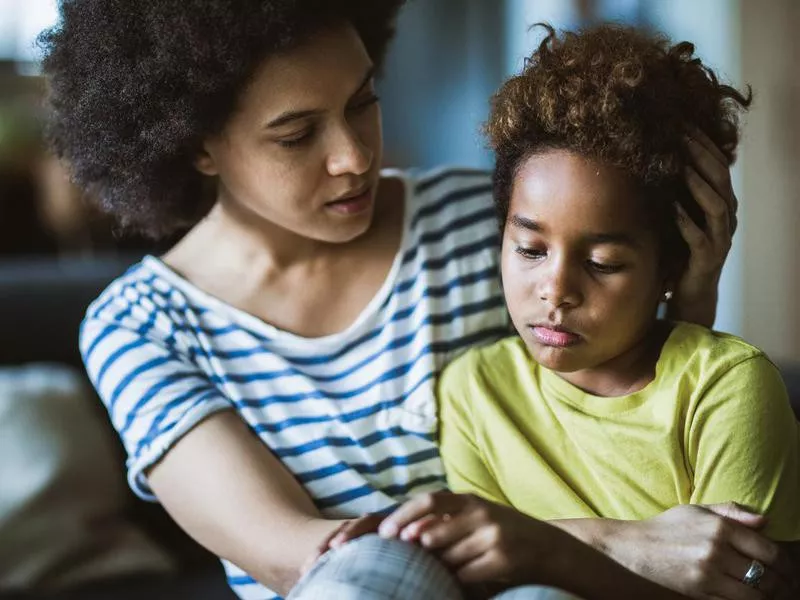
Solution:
(708, 359)
(689, 343)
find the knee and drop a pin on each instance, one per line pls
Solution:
(375, 568)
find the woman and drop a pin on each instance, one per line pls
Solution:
(272, 374)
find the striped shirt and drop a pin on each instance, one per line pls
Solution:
(352, 415)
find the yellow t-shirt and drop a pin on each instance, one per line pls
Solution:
(715, 425)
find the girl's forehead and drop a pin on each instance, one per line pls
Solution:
(580, 187)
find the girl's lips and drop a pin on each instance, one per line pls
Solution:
(554, 337)
(353, 205)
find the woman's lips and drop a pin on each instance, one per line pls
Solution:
(558, 338)
(352, 205)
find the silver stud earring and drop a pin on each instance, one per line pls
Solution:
(667, 295)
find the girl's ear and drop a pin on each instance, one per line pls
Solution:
(205, 163)
(668, 290)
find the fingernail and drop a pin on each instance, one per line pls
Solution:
(425, 539)
(387, 529)
(406, 535)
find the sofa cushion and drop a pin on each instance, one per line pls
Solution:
(63, 496)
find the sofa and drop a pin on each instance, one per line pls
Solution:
(42, 301)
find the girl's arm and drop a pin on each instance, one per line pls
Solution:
(709, 181)
(697, 550)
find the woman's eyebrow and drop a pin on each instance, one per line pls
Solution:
(293, 115)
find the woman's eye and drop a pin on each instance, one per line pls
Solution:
(296, 140)
(364, 103)
(605, 268)
(530, 253)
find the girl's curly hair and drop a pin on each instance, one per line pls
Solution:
(136, 85)
(621, 96)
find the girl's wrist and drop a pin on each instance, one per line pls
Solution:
(695, 306)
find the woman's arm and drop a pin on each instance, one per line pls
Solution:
(224, 487)
(188, 447)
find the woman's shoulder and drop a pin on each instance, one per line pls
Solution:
(445, 192)
(148, 297)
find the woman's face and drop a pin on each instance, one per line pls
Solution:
(303, 149)
(579, 262)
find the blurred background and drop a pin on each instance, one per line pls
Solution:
(450, 55)
(57, 253)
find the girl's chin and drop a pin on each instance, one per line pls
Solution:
(561, 360)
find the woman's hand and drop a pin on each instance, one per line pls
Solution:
(703, 552)
(709, 181)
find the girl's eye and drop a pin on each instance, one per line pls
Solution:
(364, 103)
(605, 269)
(297, 140)
(529, 253)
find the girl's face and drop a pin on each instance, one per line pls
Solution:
(580, 265)
(303, 149)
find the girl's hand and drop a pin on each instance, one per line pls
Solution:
(703, 552)
(480, 540)
(709, 181)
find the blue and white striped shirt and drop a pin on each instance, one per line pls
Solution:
(352, 415)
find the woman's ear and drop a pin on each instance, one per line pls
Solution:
(205, 163)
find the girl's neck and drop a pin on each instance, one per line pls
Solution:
(628, 372)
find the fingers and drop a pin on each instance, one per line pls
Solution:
(445, 532)
(694, 236)
(712, 166)
(736, 512)
(708, 145)
(412, 532)
(717, 211)
(755, 546)
(732, 589)
(355, 528)
(771, 584)
(418, 507)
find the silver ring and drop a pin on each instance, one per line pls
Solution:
(754, 574)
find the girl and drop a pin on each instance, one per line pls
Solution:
(597, 408)
(273, 373)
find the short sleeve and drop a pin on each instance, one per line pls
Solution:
(464, 465)
(743, 446)
(153, 395)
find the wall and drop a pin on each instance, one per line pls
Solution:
(770, 162)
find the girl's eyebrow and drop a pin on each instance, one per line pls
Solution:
(619, 238)
(290, 116)
(524, 223)
(612, 238)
